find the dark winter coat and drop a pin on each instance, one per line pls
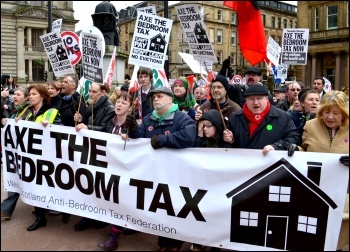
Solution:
(177, 131)
(217, 142)
(67, 109)
(103, 112)
(227, 108)
(277, 129)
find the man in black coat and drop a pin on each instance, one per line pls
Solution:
(259, 125)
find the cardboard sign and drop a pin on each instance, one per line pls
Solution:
(273, 51)
(149, 10)
(71, 42)
(56, 25)
(150, 41)
(192, 63)
(195, 31)
(92, 57)
(294, 46)
(57, 54)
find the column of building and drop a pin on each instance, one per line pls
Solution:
(20, 53)
(29, 46)
(336, 85)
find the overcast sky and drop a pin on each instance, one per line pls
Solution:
(83, 10)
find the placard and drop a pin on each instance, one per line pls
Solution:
(195, 32)
(150, 42)
(57, 54)
(294, 46)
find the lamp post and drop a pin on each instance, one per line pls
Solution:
(166, 63)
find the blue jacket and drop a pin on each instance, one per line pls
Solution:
(177, 131)
(277, 129)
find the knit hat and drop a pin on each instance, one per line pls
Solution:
(188, 101)
(256, 90)
(214, 117)
(222, 80)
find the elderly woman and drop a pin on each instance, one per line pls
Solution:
(330, 131)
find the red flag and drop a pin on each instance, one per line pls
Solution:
(251, 34)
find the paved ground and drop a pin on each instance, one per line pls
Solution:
(57, 236)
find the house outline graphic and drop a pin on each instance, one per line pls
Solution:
(281, 208)
(157, 44)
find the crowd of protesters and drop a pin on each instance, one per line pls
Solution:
(303, 119)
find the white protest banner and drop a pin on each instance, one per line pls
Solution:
(57, 54)
(192, 63)
(245, 201)
(92, 57)
(327, 85)
(56, 25)
(273, 51)
(295, 44)
(282, 71)
(195, 31)
(149, 10)
(71, 42)
(150, 41)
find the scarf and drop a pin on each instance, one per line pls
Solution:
(173, 109)
(18, 109)
(255, 119)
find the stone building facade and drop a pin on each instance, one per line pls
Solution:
(221, 25)
(22, 22)
(328, 52)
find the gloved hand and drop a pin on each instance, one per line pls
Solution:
(344, 160)
(130, 122)
(291, 148)
(154, 142)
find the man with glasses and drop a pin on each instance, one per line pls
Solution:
(293, 89)
(267, 127)
(253, 76)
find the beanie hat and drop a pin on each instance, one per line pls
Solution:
(222, 80)
(214, 117)
(189, 101)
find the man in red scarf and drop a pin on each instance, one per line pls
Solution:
(259, 125)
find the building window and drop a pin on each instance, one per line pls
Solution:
(233, 18)
(279, 23)
(264, 20)
(296, 24)
(279, 193)
(37, 71)
(332, 17)
(248, 219)
(126, 46)
(278, 40)
(219, 15)
(219, 57)
(347, 15)
(284, 23)
(183, 38)
(233, 59)
(126, 29)
(37, 45)
(307, 224)
(273, 22)
(316, 19)
(219, 37)
(233, 38)
(211, 35)
(290, 23)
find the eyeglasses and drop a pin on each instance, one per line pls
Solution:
(208, 126)
(295, 89)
